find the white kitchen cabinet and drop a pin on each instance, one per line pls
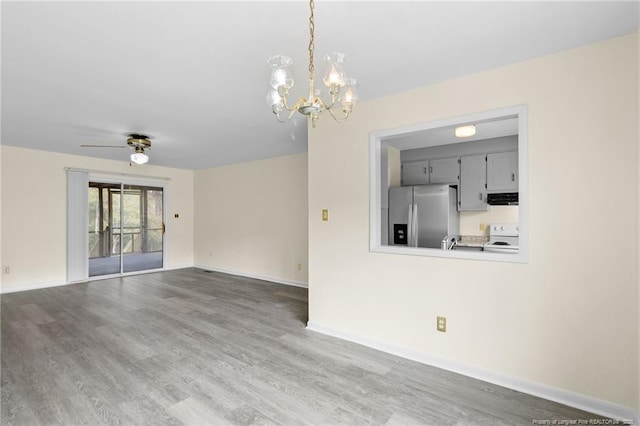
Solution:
(415, 172)
(444, 170)
(472, 193)
(502, 172)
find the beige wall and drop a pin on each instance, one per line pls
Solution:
(251, 218)
(34, 201)
(569, 317)
(265, 237)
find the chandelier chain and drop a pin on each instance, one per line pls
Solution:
(312, 28)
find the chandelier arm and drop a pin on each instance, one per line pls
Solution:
(327, 107)
(295, 106)
(286, 119)
(298, 104)
(324, 105)
(285, 105)
(339, 120)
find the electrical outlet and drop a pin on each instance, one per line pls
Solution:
(441, 324)
(325, 215)
(6, 270)
(299, 266)
(210, 253)
(483, 226)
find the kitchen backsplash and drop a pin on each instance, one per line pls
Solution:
(470, 221)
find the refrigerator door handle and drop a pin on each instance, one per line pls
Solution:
(410, 226)
(414, 226)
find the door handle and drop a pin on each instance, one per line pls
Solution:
(415, 225)
(513, 177)
(410, 226)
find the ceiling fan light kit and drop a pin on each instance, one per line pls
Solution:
(136, 141)
(139, 143)
(139, 157)
(342, 90)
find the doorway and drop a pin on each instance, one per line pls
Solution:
(126, 228)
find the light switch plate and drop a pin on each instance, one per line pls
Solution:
(325, 215)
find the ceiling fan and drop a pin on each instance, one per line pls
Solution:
(134, 140)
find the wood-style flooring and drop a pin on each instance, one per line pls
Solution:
(197, 348)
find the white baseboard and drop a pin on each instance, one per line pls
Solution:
(258, 277)
(572, 399)
(174, 267)
(37, 286)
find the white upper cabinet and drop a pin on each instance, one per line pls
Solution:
(502, 172)
(472, 194)
(444, 170)
(415, 172)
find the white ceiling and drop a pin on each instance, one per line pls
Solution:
(193, 74)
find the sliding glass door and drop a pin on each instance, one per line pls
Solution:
(142, 228)
(104, 229)
(126, 228)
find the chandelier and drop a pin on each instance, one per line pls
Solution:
(342, 90)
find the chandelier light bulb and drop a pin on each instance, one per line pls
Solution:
(334, 76)
(281, 77)
(273, 98)
(276, 101)
(280, 73)
(350, 96)
(335, 73)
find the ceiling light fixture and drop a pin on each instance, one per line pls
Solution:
(465, 131)
(341, 89)
(139, 157)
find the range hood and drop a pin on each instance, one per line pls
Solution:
(503, 199)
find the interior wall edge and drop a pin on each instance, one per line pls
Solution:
(637, 213)
(562, 396)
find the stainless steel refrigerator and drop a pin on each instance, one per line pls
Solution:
(423, 215)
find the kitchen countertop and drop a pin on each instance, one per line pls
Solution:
(472, 241)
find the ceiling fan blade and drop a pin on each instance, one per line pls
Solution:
(104, 146)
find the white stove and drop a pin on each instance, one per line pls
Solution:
(503, 238)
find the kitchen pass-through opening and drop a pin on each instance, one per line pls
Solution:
(452, 188)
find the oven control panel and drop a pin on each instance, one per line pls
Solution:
(504, 229)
